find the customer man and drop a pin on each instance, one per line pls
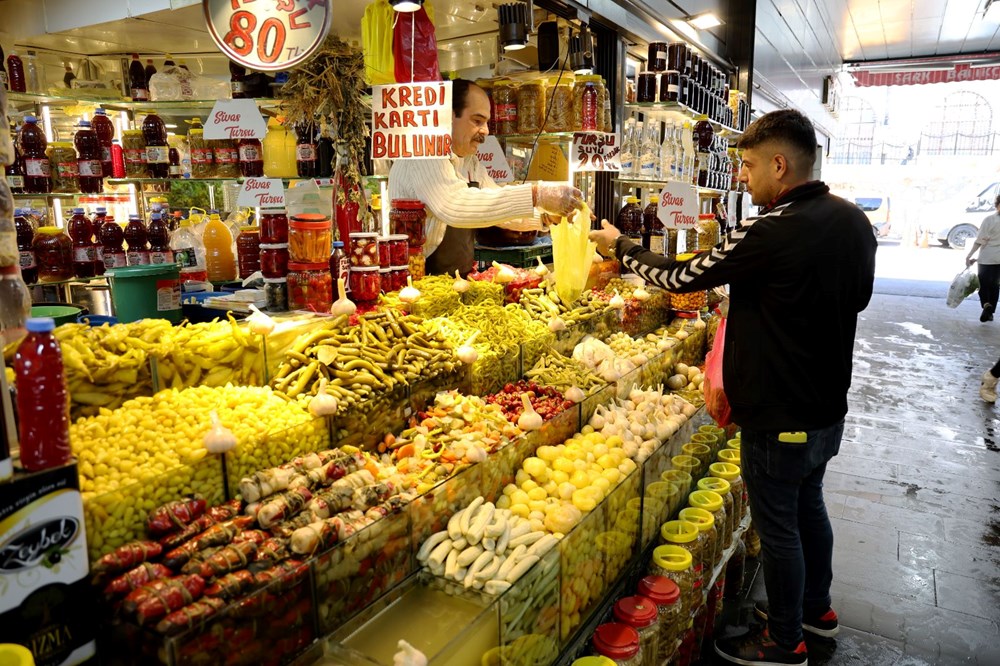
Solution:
(799, 274)
(460, 196)
(988, 244)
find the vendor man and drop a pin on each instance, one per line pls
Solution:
(460, 196)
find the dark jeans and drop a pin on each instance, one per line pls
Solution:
(989, 284)
(995, 371)
(785, 485)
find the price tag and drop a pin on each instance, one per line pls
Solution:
(235, 119)
(268, 36)
(262, 193)
(411, 121)
(596, 151)
(491, 156)
(678, 206)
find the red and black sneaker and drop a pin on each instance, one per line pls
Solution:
(757, 649)
(826, 625)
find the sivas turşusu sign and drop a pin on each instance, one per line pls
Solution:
(491, 156)
(235, 119)
(411, 121)
(262, 193)
(596, 151)
(678, 206)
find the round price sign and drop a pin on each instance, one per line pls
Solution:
(268, 35)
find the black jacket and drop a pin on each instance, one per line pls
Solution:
(799, 274)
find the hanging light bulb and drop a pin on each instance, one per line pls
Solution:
(406, 5)
(513, 18)
(581, 51)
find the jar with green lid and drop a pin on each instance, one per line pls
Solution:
(731, 473)
(681, 478)
(667, 596)
(700, 451)
(530, 107)
(559, 106)
(724, 490)
(619, 643)
(686, 463)
(63, 167)
(674, 562)
(707, 536)
(641, 614)
(684, 534)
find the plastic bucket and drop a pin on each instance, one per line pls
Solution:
(146, 292)
(61, 313)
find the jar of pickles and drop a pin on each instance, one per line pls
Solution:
(684, 534)
(712, 502)
(709, 232)
(407, 217)
(667, 596)
(226, 157)
(641, 614)
(674, 562)
(366, 285)
(63, 167)
(248, 251)
(397, 243)
(309, 238)
(384, 279)
(530, 107)
(310, 286)
(134, 149)
(505, 103)
(274, 260)
(276, 294)
(384, 256)
(273, 225)
(619, 643)
(579, 87)
(53, 254)
(560, 107)
(722, 488)
(679, 477)
(202, 160)
(731, 473)
(707, 538)
(701, 452)
(397, 278)
(364, 250)
(417, 263)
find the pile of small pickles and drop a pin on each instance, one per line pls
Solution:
(562, 373)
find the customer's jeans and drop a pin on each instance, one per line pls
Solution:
(785, 485)
(989, 285)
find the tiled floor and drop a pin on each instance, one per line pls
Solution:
(914, 495)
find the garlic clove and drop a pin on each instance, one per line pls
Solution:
(219, 438)
(504, 273)
(461, 285)
(617, 302)
(541, 269)
(259, 322)
(409, 293)
(576, 394)
(342, 306)
(640, 294)
(557, 324)
(323, 404)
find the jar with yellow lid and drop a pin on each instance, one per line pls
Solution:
(731, 473)
(531, 107)
(718, 433)
(681, 478)
(735, 443)
(134, 152)
(684, 534)
(686, 463)
(699, 451)
(559, 106)
(709, 440)
(53, 253)
(660, 496)
(724, 490)
(674, 562)
(596, 660)
(63, 167)
(731, 456)
(712, 502)
(704, 523)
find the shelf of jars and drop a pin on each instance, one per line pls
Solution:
(666, 111)
(650, 182)
(15, 100)
(48, 195)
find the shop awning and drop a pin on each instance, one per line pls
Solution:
(913, 77)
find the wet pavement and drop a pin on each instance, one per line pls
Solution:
(914, 495)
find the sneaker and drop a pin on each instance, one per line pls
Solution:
(988, 387)
(826, 625)
(757, 649)
(987, 313)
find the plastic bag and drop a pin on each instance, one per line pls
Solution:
(716, 402)
(964, 285)
(415, 47)
(176, 83)
(376, 42)
(572, 255)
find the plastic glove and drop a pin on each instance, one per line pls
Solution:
(558, 199)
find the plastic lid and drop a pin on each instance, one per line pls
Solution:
(724, 470)
(399, 268)
(85, 124)
(250, 227)
(297, 266)
(671, 558)
(337, 244)
(364, 269)
(706, 499)
(632, 200)
(701, 116)
(12, 654)
(714, 484)
(320, 224)
(735, 443)
(30, 119)
(593, 661)
(398, 237)
(684, 461)
(274, 246)
(363, 234)
(148, 270)
(700, 518)
(61, 144)
(637, 611)
(273, 211)
(706, 216)
(40, 324)
(679, 531)
(407, 204)
(729, 456)
(48, 231)
(102, 209)
(660, 589)
(384, 269)
(100, 112)
(653, 198)
(616, 640)
(78, 211)
(695, 449)
(677, 476)
(281, 280)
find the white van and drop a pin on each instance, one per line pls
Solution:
(964, 226)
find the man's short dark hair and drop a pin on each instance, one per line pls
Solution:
(788, 127)
(459, 95)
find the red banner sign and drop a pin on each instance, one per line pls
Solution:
(917, 77)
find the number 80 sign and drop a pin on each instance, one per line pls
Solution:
(268, 35)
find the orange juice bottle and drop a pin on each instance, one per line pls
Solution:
(219, 259)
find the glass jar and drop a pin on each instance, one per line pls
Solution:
(385, 279)
(366, 284)
(274, 260)
(134, 149)
(667, 596)
(202, 162)
(407, 217)
(708, 538)
(646, 87)
(559, 103)
(63, 167)
(709, 232)
(685, 463)
(274, 226)
(227, 158)
(730, 455)
(53, 253)
(670, 86)
(677, 56)
(310, 236)
(722, 488)
(248, 251)
(364, 250)
(700, 451)
(397, 277)
(684, 534)
(712, 502)
(417, 263)
(674, 562)
(619, 643)
(398, 256)
(679, 477)
(640, 613)
(384, 256)
(505, 103)
(530, 107)
(718, 433)
(731, 473)
(276, 294)
(657, 56)
(310, 286)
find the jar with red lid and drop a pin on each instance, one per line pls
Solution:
(641, 614)
(397, 249)
(384, 256)
(274, 226)
(274, 260)
(53, 253)
(248, 251)
(310, 286)
(364, 250)
(618, 642)
(366, 284)
(667, 596)
(310, 237)
(397, 277)
(385, 279)
(407, 216)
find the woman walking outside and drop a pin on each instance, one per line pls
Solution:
(988, 245)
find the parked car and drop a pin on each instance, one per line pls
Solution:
(876, 207)
(963, 228)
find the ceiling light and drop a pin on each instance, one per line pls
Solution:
(406, 5)
(581, 51)
(513, 25)
(704, 21)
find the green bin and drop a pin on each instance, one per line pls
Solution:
(146, 292)
(62, 314)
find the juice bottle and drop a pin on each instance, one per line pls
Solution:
(176, 170)
(588, 113)
(653, 236)
(189, 252)
(251, 157)
(112, 238)
(16, 80)
(15, 171)
(105, 130)
(305, 150)
(279, 151)
(36, 163)
(237, 74)
(88, 159)
(99, 216)
(629, 220)
(149, 71)
(219, 260)
(25, 247)
(138, 86)
(159, 241)
(135, 236)
(157, 151)
(42, 401)
(84, 252)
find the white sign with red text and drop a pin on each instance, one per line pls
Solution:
(262, 193)
(491, 156)
(596, 151)
(235, 119)
(678, 207)
(411, 121)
